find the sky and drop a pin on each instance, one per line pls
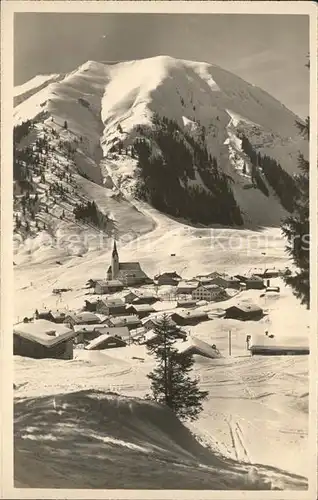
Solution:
(269, 51)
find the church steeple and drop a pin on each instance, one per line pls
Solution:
(114, 249)
(115, 261)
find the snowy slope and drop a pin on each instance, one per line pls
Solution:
(208, 88)
(98, 98)
(33, 86)
(110, 441)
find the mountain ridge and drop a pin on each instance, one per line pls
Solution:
(106, 104)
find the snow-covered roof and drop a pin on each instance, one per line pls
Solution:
(245, 307)
(228, 277)
(125, 293)
(99, 340)
(122, 331)
(170, 274)
(187, 284)
(254, 277)
(59, 313)
(157, 320)
(209, 287)
(214, 274)
(89, 328)
(109, 283)
(44, 332)
(192, 313)
(84, 317)
(145, 294)
(122, 320)
(279, 341)
(142, 308)
(148, 335)
(197, 346)
(113, 301)
(204, 279)
(125, 266)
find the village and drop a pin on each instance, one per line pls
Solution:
(125, 307)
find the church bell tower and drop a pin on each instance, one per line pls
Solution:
(115, 262)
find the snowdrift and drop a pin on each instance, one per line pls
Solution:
(90, 439)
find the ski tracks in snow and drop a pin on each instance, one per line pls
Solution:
(241, 451)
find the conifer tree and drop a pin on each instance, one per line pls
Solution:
(17, 222)
(171, 382)
(296, 228)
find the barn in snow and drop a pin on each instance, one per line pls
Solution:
(106, 341)
(244, 312)
(43, 339)
(189, 317)
(197, 347)
(276, 350)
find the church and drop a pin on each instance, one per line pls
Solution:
(129, 273)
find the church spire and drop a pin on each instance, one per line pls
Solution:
(115, 249)
(115, 262)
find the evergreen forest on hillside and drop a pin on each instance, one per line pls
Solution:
(44, 185)
(263, 165)
(168, 160)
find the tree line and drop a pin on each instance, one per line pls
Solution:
(168, 157)
(296, 228)
(89, 212)
(282, 183)
(22, 130)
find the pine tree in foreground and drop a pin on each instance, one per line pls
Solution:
(171, 381)
(296, 229)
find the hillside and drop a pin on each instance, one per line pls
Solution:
(111, 441)
(111, 107)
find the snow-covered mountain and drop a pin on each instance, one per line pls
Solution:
(107, 107)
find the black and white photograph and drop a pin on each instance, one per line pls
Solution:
(161, 239)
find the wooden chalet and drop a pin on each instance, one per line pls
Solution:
(43, 339)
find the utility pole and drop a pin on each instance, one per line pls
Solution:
(230, 342)
(264, 253)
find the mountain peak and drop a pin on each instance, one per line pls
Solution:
(108, 104)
